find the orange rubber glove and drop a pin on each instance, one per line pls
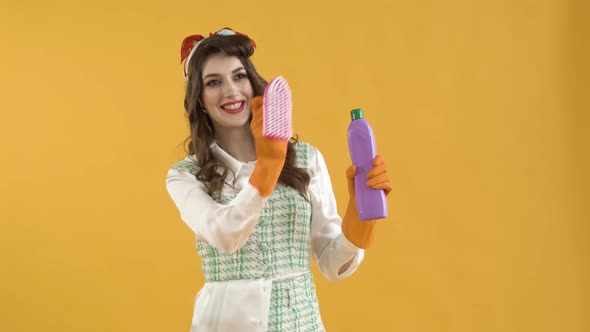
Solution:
(360, 233)
(270, 153)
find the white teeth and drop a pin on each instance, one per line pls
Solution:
(232, 106)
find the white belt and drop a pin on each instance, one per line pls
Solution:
(290, 275)
(236, 305)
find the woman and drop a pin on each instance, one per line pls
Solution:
(259, 207)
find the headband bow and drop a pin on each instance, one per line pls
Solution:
(190, 44)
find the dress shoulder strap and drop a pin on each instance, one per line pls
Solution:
(187, 165)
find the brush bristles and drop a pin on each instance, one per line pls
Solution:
(276, 119)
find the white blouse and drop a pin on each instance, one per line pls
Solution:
(227, 227)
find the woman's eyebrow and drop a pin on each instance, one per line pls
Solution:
(216, 75)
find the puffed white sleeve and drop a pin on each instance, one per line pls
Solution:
(227, 227)
(336, 256)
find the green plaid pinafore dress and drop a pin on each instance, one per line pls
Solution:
(280, 243)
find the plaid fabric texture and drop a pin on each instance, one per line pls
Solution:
(294, 306)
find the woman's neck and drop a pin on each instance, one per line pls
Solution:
(238, 143)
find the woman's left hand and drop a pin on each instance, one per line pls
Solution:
(360, 233)
(377, 177)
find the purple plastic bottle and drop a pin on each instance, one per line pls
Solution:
(370, 203)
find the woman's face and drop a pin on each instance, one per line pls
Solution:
(226, 91)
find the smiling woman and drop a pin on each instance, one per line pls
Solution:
(259, 207)
(226, 96)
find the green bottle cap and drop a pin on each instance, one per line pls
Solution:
(357, 113)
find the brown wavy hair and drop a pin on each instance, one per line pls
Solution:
(202, 132)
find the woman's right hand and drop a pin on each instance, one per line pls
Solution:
(270, 153)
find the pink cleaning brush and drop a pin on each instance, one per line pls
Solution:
(276, 110)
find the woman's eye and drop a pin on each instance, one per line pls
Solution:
(241, 76)
(213, 83)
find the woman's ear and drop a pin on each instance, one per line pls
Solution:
(202, 106)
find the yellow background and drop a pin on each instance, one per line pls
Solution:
(479, 107)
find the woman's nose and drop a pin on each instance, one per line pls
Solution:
(230, 89)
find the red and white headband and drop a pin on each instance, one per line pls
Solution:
(190, 44)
